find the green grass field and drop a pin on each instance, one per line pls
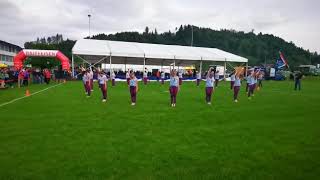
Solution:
(61, 134)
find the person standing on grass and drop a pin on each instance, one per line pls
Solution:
(216, 77)
(236, 86)
(113, 78)
(248, 79)
(102, 79)
(251, 81)
(26, 77)
(133, 87)
(232, 78)
(87, 79)
(297, 81)
(174, 87)
(47, 76)
(84, 78)
(158, 75)
(180, 78)
(91, 74)
(20, 78)
(260, 78)
(128, 76)
(198, 78)
(255, 81)
(209, 85)
(145, 76)
(163, 76)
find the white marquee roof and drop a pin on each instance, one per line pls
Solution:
(155, 54)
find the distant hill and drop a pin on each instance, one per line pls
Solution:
(258, 48)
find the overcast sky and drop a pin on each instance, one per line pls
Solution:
(25, 20)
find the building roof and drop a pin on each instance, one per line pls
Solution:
(12, 45)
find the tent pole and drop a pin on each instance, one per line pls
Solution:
(201, 66)
(225, 68)
(246, 69)
(161, 65)
(144, 63)
(110, 63)
(72, 65)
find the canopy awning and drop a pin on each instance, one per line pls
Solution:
(152, 54)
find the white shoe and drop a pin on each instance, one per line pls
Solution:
(104, 100)
(133, 104)
(171, 105)
(236, 101)
(209, 103)
(91, 90)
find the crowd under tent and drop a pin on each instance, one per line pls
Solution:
(94, 52)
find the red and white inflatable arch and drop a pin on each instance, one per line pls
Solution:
(22, 55)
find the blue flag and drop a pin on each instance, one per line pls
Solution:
(280, 64)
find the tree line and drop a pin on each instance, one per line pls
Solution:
(258, 48)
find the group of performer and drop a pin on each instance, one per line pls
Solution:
(254, 81)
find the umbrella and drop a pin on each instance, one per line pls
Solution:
(3, 66)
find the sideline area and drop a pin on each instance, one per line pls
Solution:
(17, 99)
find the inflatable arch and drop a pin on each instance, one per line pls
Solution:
(22, 55)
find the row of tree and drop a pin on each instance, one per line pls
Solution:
(58, 38)
(258, 48)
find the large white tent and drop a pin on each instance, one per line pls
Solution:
(119, 52)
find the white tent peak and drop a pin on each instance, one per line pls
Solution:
(91, 47)
(120, 52)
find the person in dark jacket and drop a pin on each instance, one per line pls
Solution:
(297, 81)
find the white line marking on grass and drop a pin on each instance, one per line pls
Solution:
(17, 99)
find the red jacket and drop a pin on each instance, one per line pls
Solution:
(47, 74)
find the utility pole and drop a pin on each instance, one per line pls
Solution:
(191, 35)
(89, 16)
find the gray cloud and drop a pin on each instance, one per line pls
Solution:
(26, 20)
